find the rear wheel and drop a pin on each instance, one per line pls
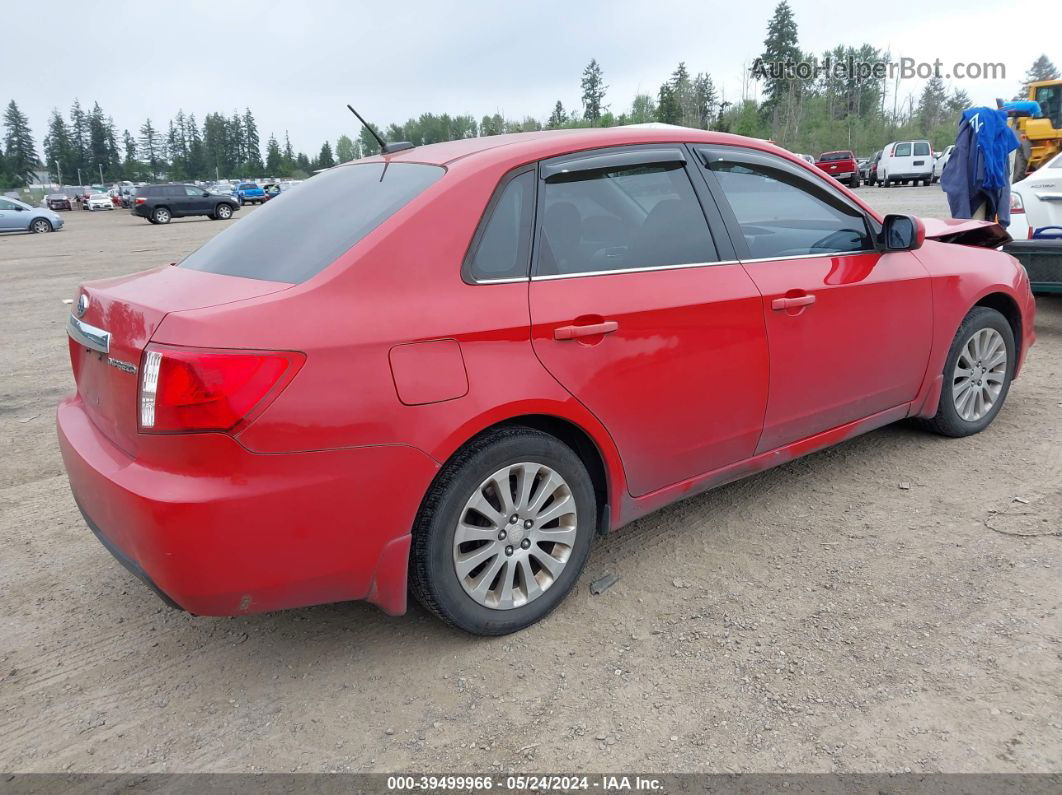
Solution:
(504, 532)
(977, 374)
(160, 215)
(41, 225)
(854, 182)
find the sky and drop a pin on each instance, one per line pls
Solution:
(297, 64)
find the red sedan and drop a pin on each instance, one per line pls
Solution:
(447, 369)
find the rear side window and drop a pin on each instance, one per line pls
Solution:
(294, 239)
(903, 150)
(921, 148)
(617, 219)
(503, 247)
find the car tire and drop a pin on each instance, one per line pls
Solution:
(987, 333)
(161, 215)
(520, 589)
(40, 226)
(854, 182)
(222, 212)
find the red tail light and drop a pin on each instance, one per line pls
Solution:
(192, 389)
(139, 200)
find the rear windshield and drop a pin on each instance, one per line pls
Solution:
(294, 239)
(826, 158)
(248, 186)
(921, 148)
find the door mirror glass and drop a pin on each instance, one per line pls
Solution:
(902, 233)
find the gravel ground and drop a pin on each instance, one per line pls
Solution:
(861, 609)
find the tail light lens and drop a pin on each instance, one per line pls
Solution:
(187, 390)
(139, 200)
(1016, 204)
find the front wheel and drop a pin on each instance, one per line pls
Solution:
(977, 374)
(223, 212)
(40, 226)
(503, 533)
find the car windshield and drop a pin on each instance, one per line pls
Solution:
(828, 156)
(292, 240)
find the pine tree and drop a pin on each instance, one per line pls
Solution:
(668, 110)
(594, 88)
(79, 140)
(780, 49)
(289, 154)
(216, 146)
(197, 167)
(130, 166)
(1041, 69)
(236, 145)
(97, 150)
(20, 153)
(685, 96)
(931, 105)
(151, 149)
(274, 164)
(252, 144)
(58, 151)
(325, 159)
(705, 101)
(558, 117)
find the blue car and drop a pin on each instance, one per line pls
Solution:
(250, 193)
(17, 216)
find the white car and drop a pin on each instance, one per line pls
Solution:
(940, 161)
(906, 161)
(1036, 202)
(100, 201)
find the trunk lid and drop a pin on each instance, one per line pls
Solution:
(107, 337)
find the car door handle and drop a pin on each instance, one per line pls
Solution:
(590, 330)
(778, 304)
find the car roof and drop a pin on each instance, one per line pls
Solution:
(529, 146)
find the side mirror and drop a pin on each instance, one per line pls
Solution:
(902, 233)
(206, 193)
(20, 208)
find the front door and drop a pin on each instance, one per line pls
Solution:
(849, 327)
(635, 314)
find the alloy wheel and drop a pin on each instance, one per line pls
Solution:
(515, 535)
(979, 375)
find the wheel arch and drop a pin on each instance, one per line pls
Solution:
(605, 472)
(1008, 307)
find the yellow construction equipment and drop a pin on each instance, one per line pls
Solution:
(1043, 132)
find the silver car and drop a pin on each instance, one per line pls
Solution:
(17, 216)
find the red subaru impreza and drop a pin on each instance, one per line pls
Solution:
(447, 369)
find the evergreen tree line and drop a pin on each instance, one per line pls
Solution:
(853, 111)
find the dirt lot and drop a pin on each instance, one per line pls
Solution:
(856, 610)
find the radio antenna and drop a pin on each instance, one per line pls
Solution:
(385, 147)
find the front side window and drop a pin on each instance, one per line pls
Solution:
(504, 245)
(292, 240)
(617, 219)
(903, 150)
(921, 149)
(783, 214)
(7, 204)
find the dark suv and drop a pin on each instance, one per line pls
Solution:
(160, 203)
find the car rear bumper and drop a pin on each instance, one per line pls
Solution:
(219, 530)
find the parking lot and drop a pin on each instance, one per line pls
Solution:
(892, 603)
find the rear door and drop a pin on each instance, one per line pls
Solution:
(849, 327)
(921, 158)
(639, 310)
